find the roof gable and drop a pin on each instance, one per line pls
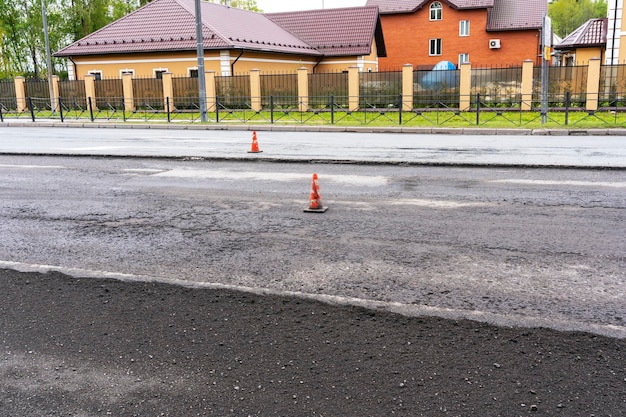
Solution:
(169, 25)
(591, 33)
(502, 14)
(161, 24)
(410, 6)
(244, 29)
(335, 32)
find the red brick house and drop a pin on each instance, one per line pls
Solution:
(483, 32)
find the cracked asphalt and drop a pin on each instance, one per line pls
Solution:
(423, 291)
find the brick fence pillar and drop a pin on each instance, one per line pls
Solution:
(20, 94)
(90, 91)
(303, 89)
(211, 91)
(465, 86)
(527, 84)
(55, 92)
(168, 92)
(255, 90)
(593, 84)
(407, 87)
(353, 88)
(127, 88)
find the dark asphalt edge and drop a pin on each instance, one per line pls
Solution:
(323, 161)
(407, 310)
(326, 128)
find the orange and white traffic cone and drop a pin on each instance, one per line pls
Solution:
(255, 144)
(315, 200)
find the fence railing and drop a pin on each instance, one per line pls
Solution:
(484, 111)
(479, 97)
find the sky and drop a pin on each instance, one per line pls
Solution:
(273, 6)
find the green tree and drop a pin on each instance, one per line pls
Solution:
(120, 8)
(86, 16)
(22, 46)
(12, 27)
(22, 43)
(568, 15)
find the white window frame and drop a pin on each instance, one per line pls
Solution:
(156, 71)
(127, 71)
(463, 58)
(464, 28)
(192, 69)
(434, 47)
(96, 74)
(436, 11)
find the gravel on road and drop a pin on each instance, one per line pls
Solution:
(96, 347)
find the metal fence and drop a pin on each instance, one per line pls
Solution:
(612, 92)
(7, 95)
(328, 89)
(186, 93)
(109, 94)
(148, 94)
(37, 88)
(436, 89)
(495, 97)
(500, 87)
(562, 80)
(281, 88)
(233, 92)
(379, 90)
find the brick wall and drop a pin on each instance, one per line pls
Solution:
(407, 40)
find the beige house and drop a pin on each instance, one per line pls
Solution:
(160, 37)
(586, 42)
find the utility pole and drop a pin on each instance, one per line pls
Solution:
(48, 57)
(545, 66)
(200, 53)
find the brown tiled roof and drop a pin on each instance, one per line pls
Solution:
(591, 33)
(244, 29)
(516, 15)
(335, 32)
(410, 6)
(169, 25)
(146, 29)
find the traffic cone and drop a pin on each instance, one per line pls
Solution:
(255, 144)
(315, 201)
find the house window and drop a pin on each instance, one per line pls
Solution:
(158, 73)
(193, 72)
(463, 58)
(435, 10)
(127, 71)
(97, 75)
(435, 47)
(464, 28)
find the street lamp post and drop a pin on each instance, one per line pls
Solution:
(200, 53)
(546, 44)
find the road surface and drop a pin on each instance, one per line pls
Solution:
(509, 246)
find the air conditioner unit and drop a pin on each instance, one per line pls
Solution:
(494, 43)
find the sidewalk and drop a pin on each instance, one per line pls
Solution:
(599, 149)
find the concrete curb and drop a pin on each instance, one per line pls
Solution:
(321, 128)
